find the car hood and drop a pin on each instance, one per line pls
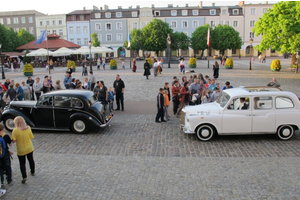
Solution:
(23, 104)
(207, 107)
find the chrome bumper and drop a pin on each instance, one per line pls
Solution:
(107, 120)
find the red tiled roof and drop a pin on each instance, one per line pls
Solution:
(54, 43)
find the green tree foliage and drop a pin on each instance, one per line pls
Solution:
(280, 27)
(25, 36)
(225, 37)
(136, 40)
(179, 41)
(126, 45)
(155, 35)
(199, 38)
(95, 41)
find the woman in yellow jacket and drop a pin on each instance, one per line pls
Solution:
(22, 135)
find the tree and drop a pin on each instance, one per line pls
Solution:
(25, 36)
(225, 37)
(199, 38)
(95, 40)
(155, 35)
(179, 41)
(280, 27)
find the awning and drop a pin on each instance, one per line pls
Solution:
(40, 52)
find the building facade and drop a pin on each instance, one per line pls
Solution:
(56, 24)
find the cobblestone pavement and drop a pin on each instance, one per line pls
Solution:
(136, 158)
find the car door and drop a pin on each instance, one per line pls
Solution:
(42, 113)
(236, 118)
(263, 115)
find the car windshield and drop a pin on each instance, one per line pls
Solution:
(223, 99)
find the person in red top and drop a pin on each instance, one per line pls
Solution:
(3, 87)
(185, 97)
(175, 99)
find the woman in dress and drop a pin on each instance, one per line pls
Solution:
(134, 66)
(22, 135)
(216, 70)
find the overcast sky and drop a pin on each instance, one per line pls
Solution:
(66, 6)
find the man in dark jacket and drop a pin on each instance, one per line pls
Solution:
(119, 87)
(160, 106)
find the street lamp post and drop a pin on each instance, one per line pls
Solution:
(297, 61)
(251, 41)
(169, 50)
(90, 47)
(2, 62)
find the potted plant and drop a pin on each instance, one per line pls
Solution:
(113, 64)
(71, 63)
(275, 66)
(229, 63)
(150, 61)
(192, 63)
(28, 70)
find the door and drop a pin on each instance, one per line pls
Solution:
(42, 113)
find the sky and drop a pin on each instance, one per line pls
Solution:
(65, 6)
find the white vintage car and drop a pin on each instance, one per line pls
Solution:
(244, 110)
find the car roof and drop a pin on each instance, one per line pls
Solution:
(242, 91)
(71, 93)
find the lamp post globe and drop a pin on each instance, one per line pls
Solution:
(250, 41)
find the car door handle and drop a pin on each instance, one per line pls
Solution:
(69, 109)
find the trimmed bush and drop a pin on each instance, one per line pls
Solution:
(71, 63)
(28, 70)
(150, 61)
(229, 63)
(275, 66)
(192, 63)
(113, 64)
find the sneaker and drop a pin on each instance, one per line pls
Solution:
(163, 121)
(9, 182)
(32, 174)
(157, 121)
(24, 180)
(2, 192)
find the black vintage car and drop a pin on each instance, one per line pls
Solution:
(63, 110)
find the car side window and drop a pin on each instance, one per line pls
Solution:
(76, 103)
(241, 103)
(263, 103)
(45, 101)
(62, 101)
(283, 102)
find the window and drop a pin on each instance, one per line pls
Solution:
(47, 23)
(73, 18)
(23, 20)
(1, 21)
(247, 50)
(134, 25)
(54, 32)
(143, 24)
(71, 30)
(48, 32)
(227, 23)
(195, 12)
(118, 14)
(184, 24)
(156, 13)
(62, 101)
(31, 30)
(235, 11)
(196, 51)
(221, 23)
(53, 22)
(60, 22)
(233, 51)
(30, 19)
(212, 23)
(143, 14)
(8, 20)
(119, 25)
(262, 103)
(108, 26)
(273, 51)
(241, 103)
(251, 35)
(184, 12)
(108, 37)
(86, 41)
(77, 29)
(72, 40)
(81, 17)
(98, 27)
(235, 23)
(16, 20)
(173, 12)
(148, 14)
(85, 29)
(253, 11)
(41, 23)
(224, 11)
(97, 15)
(283, 102)
(212, 12)
(195, 24)
(119, 37)
(265, 10)
(173, 24)
(60, 32)
(99, 36)
(79, 41)
(108, 15)
(184, 52)
(134, 14)
(252, 22)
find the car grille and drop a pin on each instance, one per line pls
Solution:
(182, 117)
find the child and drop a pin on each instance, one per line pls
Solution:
(167, 103)
(5, 163)
(123, 64)
(111, 99)
(103, 63)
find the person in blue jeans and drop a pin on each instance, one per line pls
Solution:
(111, 99)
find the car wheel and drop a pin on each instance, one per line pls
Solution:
(285, 132)
(9, 123)
(205, 132)
(79, 126)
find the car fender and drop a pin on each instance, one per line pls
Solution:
(15, 114)
(90, 119)
(195, 120)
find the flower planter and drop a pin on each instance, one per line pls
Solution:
(228, 67)
(192, 66)
(28, 73)
(275, 70)
(113, 67)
